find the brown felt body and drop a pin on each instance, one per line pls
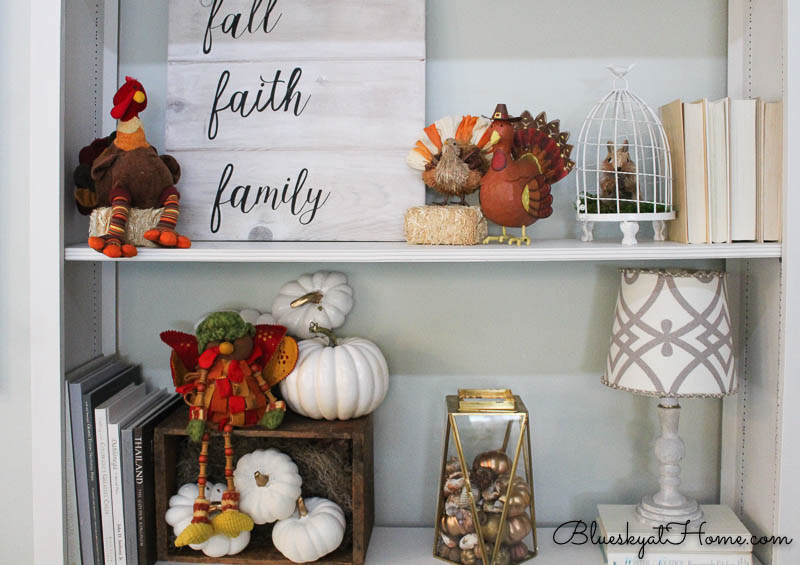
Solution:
(142, 171)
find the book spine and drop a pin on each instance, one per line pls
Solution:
(129, 496)
(139, 482)
(117, 509)
(95, 528)
(679, 559)
(104, 476)
(71, 498)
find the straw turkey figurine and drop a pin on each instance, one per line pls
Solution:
(528, 156)
(451, 158)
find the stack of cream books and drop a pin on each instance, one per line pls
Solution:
(727, 169)
(724, 539)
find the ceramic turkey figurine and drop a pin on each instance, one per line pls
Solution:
(225, 373)
(129, 172)
(529, 155)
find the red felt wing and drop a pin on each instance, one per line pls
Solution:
(185, 346)
(268, 338)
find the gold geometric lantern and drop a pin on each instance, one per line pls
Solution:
(485, 514)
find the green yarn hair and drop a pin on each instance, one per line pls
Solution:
(222, 326)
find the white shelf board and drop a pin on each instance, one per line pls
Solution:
(414, 546)
(401, 252)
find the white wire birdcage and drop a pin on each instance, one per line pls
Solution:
(624, 169)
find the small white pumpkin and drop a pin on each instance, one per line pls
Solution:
(249, 315)
(313, 531)
(321, 297)
(253, 316)
(343, 379)
(268, 485)
(179, 516)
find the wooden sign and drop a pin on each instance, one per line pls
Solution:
(291, 119)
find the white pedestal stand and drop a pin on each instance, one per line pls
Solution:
(668, 504)
(587, 231)
(629, 231)
(659, 230)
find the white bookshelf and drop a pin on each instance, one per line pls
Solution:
(761, 439)
(400, 252)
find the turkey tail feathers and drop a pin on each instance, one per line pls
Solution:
(546, 142)
(467, 130)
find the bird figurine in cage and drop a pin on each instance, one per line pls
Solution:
(619, 172)
(624, 168)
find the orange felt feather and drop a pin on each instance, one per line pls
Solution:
(433, 135)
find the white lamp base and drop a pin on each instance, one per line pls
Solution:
(668, 504)
(650, 512)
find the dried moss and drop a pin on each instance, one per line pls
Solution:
(596, 205)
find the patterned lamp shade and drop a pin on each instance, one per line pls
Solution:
(672, 335)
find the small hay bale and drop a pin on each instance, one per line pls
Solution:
(139, 221)
(445, 225)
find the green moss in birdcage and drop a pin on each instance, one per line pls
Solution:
(594, 205)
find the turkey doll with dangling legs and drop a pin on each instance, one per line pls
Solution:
(225, 373)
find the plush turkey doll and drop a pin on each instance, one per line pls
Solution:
(225, 373)
(129, 172)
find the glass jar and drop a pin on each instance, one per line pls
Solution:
(485, 514)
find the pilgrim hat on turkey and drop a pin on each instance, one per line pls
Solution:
(501, 114)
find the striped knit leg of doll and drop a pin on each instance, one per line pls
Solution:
(113, 243)
(200, 528)
(164, 233)
(230, 521)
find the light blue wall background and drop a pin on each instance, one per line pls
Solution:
(539, 328)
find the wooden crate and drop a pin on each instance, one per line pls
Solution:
(175, 464)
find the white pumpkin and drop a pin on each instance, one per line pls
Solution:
(322, 297)
(268, 485)
(249, 315)
(315, 530)
(253, 316)
(341, 380)
(179, 516)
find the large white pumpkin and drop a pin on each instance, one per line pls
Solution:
(342, 381)
(311, 533)
(179, 516)
(268, 485)
(321, 297)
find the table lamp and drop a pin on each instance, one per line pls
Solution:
(671, 338)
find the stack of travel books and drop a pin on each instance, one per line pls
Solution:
(727, 169)
(109, 473)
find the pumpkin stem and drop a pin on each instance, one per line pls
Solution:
(261, 480)
(301, 508)
(317, 329)
(315, 297)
